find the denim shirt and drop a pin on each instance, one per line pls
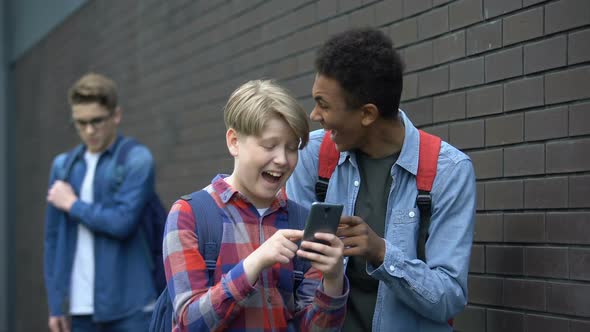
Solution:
(412, 295)
(123, 283)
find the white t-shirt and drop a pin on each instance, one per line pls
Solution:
(82, 281)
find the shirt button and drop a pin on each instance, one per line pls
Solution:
(268, 300)
(412, 214)
(391, 268)
(356, 183)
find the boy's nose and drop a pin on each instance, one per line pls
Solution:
(281, 157)
(315, 115)
(89, 129)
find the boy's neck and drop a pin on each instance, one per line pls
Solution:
(385, 139)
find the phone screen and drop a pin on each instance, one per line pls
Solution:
(324, 218)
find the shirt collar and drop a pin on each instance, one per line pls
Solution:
(81, 149)
(408, 157)
(226, 192)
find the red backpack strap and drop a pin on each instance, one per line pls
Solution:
(427, 162)
(328, 159)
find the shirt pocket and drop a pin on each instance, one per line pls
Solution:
(403, 230)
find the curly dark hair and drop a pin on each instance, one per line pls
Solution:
(367, 67)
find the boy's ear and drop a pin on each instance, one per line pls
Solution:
(117, 115)
(231, 138)
(370, 113)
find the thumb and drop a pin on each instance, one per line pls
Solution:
(291, 234)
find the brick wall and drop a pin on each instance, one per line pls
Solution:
(507, 81)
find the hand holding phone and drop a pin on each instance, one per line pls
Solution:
(322, 218)
(324, 254)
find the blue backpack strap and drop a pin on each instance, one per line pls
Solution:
(123, 149)
(152, 217)
(209, 228)
(296, 219)
(120, 156)
(66, 168)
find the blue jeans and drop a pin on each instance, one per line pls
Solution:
(138, 322)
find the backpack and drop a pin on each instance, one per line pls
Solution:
(209, 231)
(427, 162)
(152, 216)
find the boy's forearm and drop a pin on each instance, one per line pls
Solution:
(333, 287)
(251, 269)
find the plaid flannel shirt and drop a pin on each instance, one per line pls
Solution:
(233, 304)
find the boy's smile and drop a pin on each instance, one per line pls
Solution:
(271, 176)
(333, 114)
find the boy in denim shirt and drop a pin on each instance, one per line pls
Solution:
(92, 221)
(357, 92)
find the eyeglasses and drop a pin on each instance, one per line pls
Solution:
(95, 123)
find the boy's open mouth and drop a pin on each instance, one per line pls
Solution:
(273, 177)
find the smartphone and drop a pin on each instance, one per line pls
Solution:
(324, 218)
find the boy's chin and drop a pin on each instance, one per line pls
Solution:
(268, 193)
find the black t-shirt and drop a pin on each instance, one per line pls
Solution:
(371, 205)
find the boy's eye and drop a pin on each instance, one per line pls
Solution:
(290, 147)
(96, 123)
(268, 146)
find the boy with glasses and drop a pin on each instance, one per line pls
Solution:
(95, 259)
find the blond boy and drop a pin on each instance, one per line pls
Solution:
(253, 286)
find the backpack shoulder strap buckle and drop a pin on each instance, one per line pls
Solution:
(424, 201)
(321, 188)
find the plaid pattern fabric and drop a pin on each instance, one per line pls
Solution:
(232, 304)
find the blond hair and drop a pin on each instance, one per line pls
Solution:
(94, 88)
(254, 103)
